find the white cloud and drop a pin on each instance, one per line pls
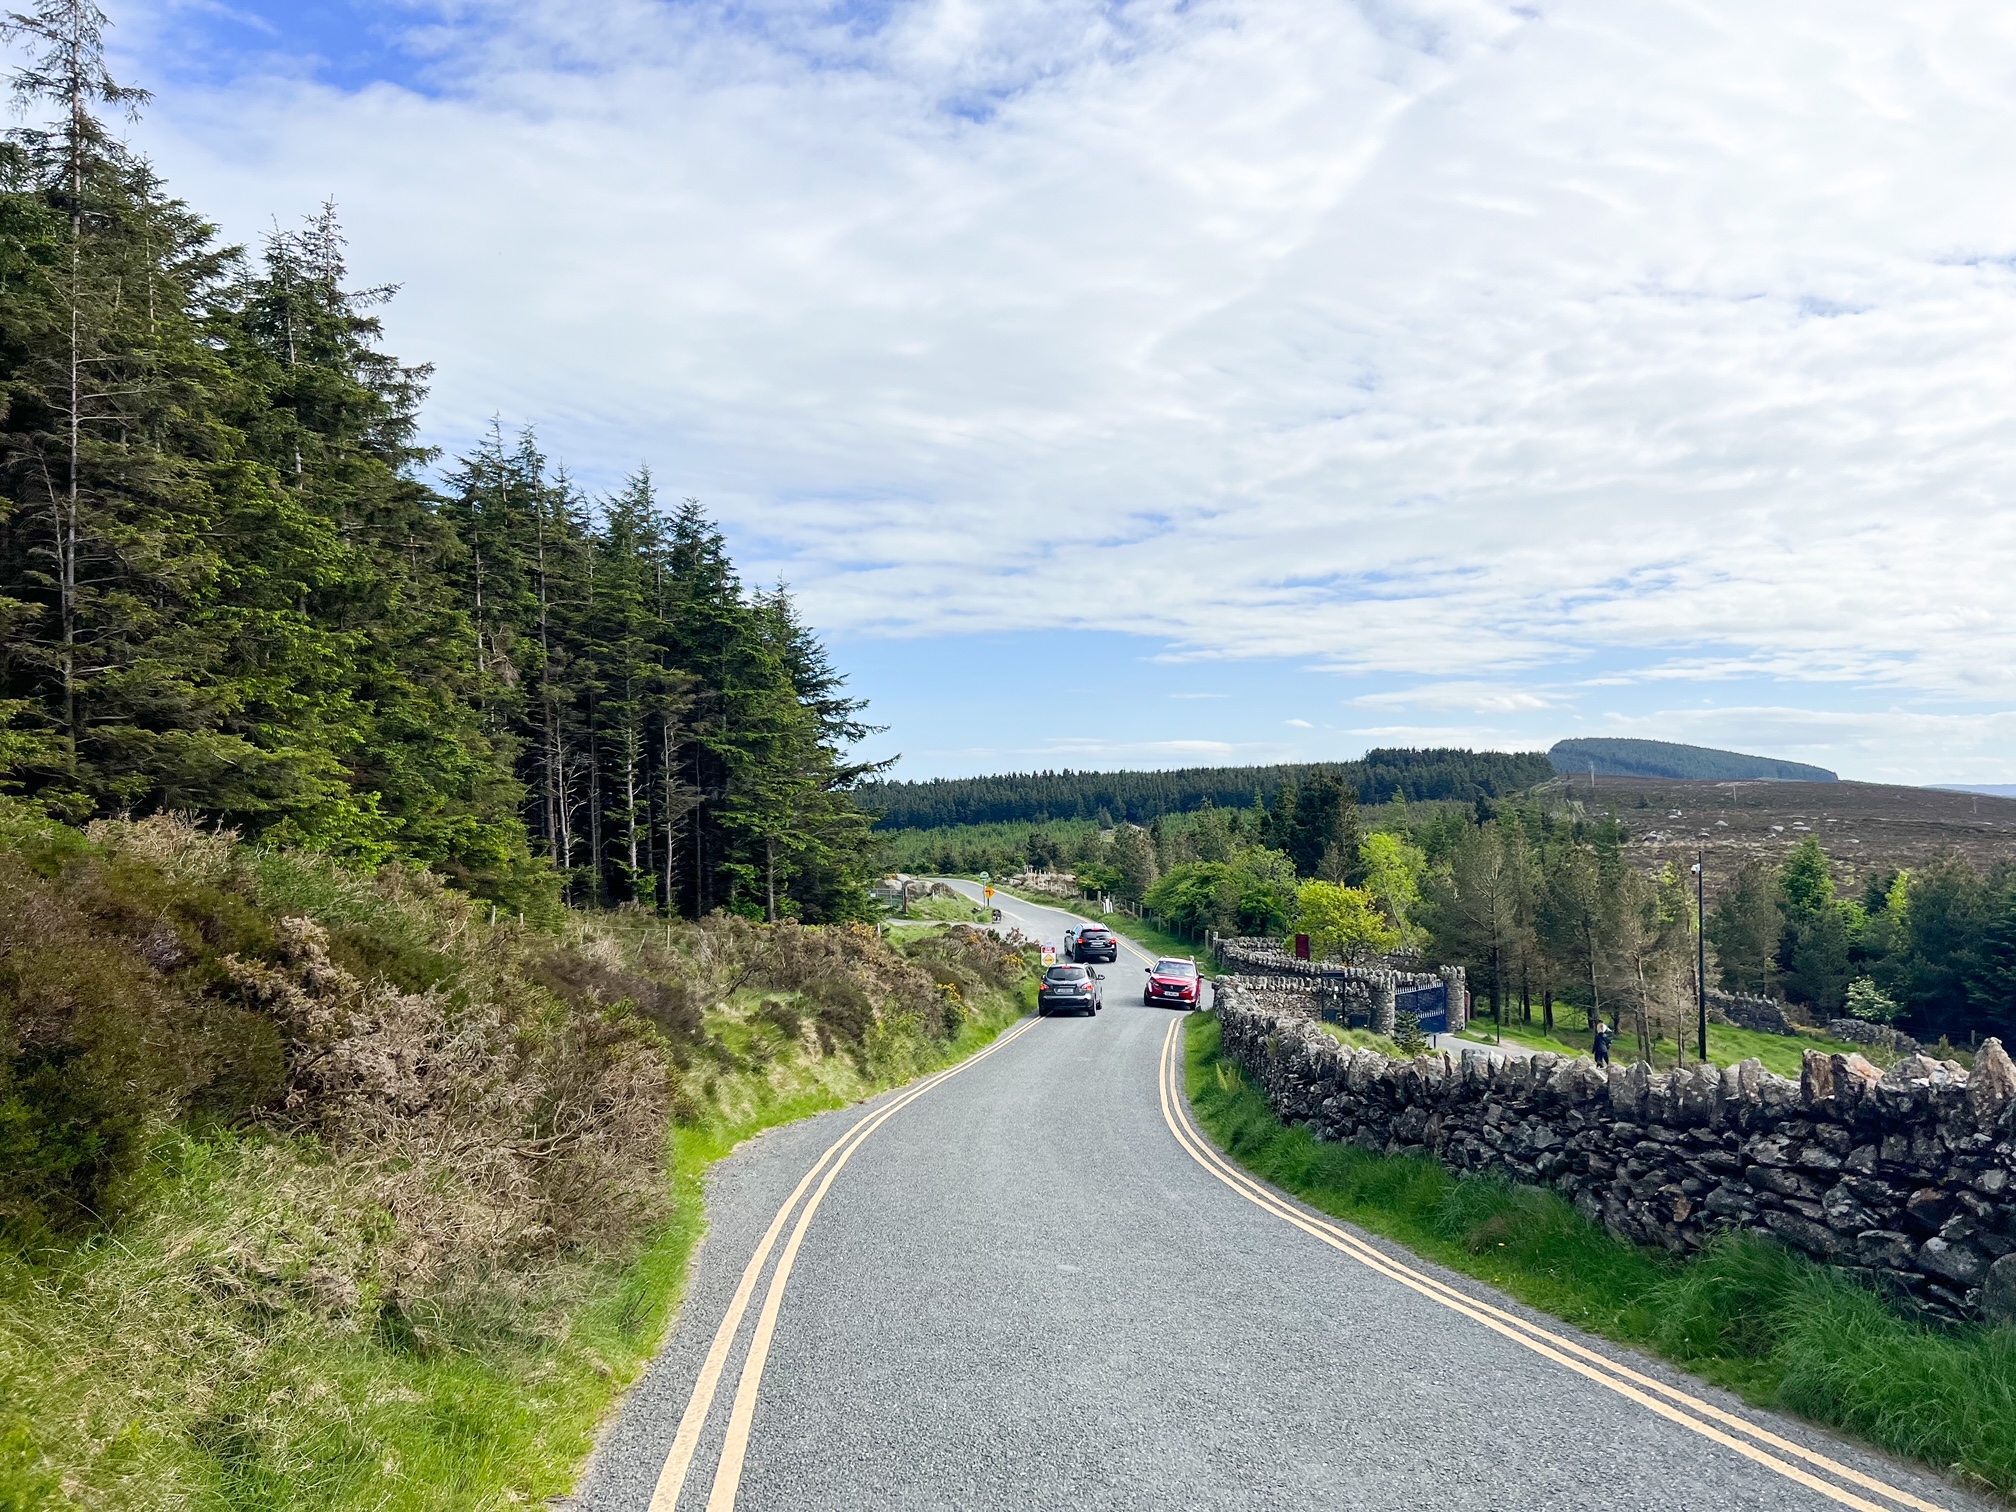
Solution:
(1441, 338)
(1300, 724)
(1463, 697)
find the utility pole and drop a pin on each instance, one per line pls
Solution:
(1701, 946)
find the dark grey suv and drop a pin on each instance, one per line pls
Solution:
(1094, 942)
(1069, 989)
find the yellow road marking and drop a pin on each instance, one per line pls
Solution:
(693, 1421)
(1599, 1368)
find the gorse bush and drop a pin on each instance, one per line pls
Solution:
(152, 971)
(301, 1163)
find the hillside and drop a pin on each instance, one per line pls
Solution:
(329, 1189)
(1138, 797)
(1660, 758)
(1865, 827)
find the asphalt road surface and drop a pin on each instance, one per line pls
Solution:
(1030, 1282)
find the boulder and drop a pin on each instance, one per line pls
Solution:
(1992, 1085)
(1955, 1262)
(1998, 1292)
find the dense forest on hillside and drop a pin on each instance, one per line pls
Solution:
(1138, 797)
(1663, 758)
(226, 588)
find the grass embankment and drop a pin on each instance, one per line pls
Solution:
(929, 916)
(1360, 1039)
(1726, 1045)
(422, 1199)
(1770, 1325)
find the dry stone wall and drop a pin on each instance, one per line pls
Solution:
(1763, 1014)
(1904, 1177)
(1372, 988)
(1861, 1032)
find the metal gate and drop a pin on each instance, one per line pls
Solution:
(1429, 1005)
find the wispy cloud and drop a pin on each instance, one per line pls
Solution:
(1458, 697)
(1442, 341)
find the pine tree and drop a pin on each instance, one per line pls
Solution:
(225, 586)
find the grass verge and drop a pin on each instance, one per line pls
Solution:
(1727, 1045)
(149, 1368)
(958, 909)
(1777, 1329)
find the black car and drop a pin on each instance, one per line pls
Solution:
(1095, 942)
(1069, 989)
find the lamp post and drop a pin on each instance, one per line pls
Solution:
(1701, 947)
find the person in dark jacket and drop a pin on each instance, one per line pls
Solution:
(1602, 1043)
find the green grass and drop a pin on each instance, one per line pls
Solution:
(1360, 1039)
(122, 1377)
(1726, 1044)
(954, 910)
(1774, 1327)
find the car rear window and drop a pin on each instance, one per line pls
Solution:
(1094, 934)
(1065, 974)
(1175, 968)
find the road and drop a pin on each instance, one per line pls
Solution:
(1031, 1284)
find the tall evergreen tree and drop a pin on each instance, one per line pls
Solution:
(225, 587)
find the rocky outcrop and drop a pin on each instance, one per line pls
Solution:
(1904, 1177)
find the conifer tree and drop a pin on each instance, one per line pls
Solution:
(227, 588)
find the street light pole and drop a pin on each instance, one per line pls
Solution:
(1701, 946)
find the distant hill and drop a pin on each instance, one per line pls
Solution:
(1987, 789)
(1660, 758)
(1033, 797)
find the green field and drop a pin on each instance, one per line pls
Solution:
(1726, 1045)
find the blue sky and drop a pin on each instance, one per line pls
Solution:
(1307, 376)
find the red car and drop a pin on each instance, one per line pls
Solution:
(1171, 980)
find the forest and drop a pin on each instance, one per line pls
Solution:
(1545, 906)
(1138, 797)
(1663, 758)
(235, 584)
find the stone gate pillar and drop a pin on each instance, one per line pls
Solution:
(1458, 997)
(1383, 1002)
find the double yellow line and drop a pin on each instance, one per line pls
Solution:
(742, 1414)
(1709, 1421)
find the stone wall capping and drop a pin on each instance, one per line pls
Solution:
(1992, 1086)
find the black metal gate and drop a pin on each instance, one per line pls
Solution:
(1429, 1005)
